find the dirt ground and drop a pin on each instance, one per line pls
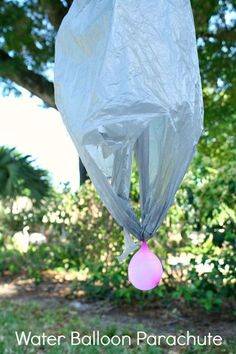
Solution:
(155, 317)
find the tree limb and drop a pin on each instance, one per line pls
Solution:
(69, 2)
(16, 71)
(55, 11)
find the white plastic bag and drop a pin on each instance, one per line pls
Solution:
(127, 83)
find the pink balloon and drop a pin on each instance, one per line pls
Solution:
(145, 269)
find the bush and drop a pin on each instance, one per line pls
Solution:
(199, 261)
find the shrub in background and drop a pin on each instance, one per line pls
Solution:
(195, 243)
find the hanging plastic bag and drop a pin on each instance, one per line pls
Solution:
(127, 84)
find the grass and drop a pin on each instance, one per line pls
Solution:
(57, 320)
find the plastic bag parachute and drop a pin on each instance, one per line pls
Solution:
(127, 85)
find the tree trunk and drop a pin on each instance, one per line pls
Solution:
(83, 173)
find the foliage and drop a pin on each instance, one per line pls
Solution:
(18, 177)
(199, 260)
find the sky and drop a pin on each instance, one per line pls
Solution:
(39, 132)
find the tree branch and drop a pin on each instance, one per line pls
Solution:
(16, 71)
(55, 11)
(69, 2)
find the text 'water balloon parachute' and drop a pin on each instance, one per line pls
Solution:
(127, 85)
